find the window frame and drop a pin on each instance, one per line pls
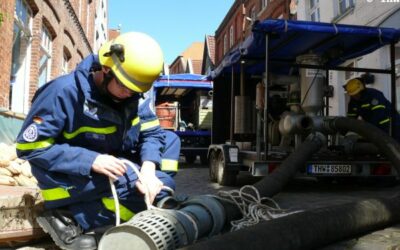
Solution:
(231, 36)
(348, 6)
(20, 57)
(314, 8)
(225, 44)
(46, 45)
(65, 64)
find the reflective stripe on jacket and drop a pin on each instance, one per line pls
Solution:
(374, 108)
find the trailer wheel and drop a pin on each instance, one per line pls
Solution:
(224, 177)
(190, 159)
(212, 166)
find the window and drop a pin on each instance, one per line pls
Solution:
(87, 17)
(21, 36)
(263, 4)
(65, 61)
(45, 57)
(231, 36)
(19, 77)
(354, 64)
(314, 10)
(225, 44)
(253, 15)
(344, 5)
(80, 10)
(349, 74)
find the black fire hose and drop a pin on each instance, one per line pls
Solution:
(311, 229)
(386, 144)
(272, 184)
(316, 228)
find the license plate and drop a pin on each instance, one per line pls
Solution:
(329, 169)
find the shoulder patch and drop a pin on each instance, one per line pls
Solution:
(30, 134)
(374, 101)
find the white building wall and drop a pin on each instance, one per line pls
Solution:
(101, 24)
(364, 12)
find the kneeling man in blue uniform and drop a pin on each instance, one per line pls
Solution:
(80, 127)
(372, 106)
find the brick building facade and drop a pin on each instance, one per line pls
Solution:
(190, 60)
(236, 25)
(42, 39)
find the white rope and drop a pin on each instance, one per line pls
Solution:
(253, 207)
(146, 195)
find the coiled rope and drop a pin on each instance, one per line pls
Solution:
(253, 207)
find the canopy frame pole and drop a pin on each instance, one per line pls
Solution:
(393, 85)
(266, 94)
(232, 106)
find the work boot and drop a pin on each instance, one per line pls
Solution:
(65, 232)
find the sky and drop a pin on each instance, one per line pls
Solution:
(174, 24)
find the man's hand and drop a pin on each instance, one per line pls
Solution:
(109, 166)
(148, 181)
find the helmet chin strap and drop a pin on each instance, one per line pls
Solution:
(107, 77)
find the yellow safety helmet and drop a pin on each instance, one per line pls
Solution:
(135, 59)
(354, 86)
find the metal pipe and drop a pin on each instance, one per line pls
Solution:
(258, 134)
(326, 97)
(336, 68)
(232, 106)
(292, 123)
(266, 95)
(242, 88)
(393, 85)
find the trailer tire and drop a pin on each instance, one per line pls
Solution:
(190, 159)
(212, 166)
(224, 177)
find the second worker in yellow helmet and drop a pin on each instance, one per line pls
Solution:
(372, 106)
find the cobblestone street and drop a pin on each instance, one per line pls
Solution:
(301, 194)
(193, 180)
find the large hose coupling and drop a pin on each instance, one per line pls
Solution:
(292, 123)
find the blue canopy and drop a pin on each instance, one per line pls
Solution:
(183, 81)
(335, 43)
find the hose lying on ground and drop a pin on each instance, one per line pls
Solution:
(315, 228)
(311, 229)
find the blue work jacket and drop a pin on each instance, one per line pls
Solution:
(374, 108)
(70, 123)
